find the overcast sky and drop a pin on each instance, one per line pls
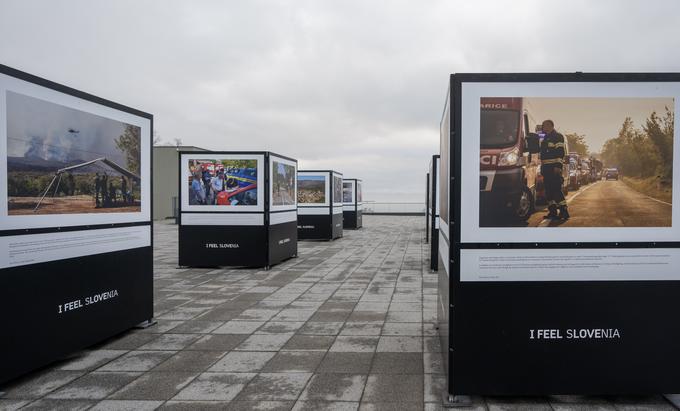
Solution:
(356, 86)
(598, 119)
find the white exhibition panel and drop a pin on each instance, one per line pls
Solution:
(272, 160)
(337, 178)
(444, 251)
(337, 209)
(18, 250)
(444, 225)
(327, 184)
(256, 219)
(352, 188)
(439, 183)
(575, 264)
(10, 84)
(184, 179)
(283, 217)
(314, 211)
(472, 92)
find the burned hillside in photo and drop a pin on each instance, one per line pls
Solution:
(66, 161)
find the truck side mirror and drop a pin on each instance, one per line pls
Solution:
(533, 143)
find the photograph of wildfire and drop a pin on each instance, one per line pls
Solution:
(66, 161)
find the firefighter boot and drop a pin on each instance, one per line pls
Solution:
(552, 213)
(564, 213)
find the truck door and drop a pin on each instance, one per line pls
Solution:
(530, 161)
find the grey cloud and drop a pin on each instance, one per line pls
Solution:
(356, 85)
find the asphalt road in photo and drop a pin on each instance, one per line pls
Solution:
(609, 203)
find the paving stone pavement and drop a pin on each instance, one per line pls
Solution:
(348, 325)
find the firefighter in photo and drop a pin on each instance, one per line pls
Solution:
(552, 157)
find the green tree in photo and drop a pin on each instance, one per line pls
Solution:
(660, 133)
(577, 143)
(642, 153)
(130, 143)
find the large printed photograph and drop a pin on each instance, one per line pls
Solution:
(283, 184)
(311, 189)
(576, 162)
(65, 161)
(222, 182)
(347, 192)
(337, 189)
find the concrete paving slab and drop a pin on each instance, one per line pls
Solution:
(294, 361)
(334, 387)
(218, 342)
(137, 361)
(215, 387)
(95, 385)
(242, 361)
(155, 386)
(275, 386)
(355, 344)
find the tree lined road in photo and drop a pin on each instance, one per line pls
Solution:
(609, 204)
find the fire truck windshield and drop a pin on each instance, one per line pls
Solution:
(499, 128)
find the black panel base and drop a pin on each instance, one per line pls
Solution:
(99, 296)
(434, 250)
(216, 246)
(315, 227)
(337, 226)
(283, 240)
(568, 358)
(236, 246)
(351, 219)
(443, 311)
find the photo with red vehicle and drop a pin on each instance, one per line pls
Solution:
(223, 182)
(576, 162)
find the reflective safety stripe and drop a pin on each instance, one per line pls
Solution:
(563, 203)
(552, 161)
(558, 145)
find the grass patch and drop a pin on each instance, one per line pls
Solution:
(651, 187)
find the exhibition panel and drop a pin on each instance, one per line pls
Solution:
(427, 207)
(433, 211)
(351, 205)
(319, 204)
(75, 220)
(561, 243)
(237, 209)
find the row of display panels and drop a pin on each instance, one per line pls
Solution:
(562, 300)
(233, 182)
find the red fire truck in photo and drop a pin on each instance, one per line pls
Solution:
(510, 180)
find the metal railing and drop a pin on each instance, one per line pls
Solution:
(379, 207)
